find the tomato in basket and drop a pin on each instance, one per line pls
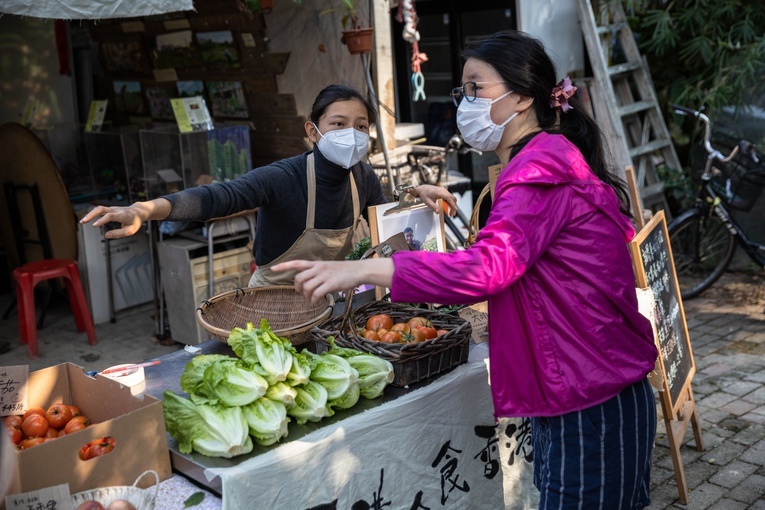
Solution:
(379, 321)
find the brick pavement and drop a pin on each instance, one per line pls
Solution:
(728, 340)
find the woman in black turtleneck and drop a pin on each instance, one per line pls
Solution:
(338, 126)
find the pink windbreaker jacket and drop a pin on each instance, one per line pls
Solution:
(564, 328)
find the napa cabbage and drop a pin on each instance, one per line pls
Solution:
(215, 431)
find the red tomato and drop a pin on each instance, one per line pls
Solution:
(429, 332)
(14, 433)
(58, 415)
(419, 321)
(75, 424)
(371, 335)
(34, 425)
(52, 433)
(75, 411)
(401, 327)
(381, 320)
(416, 335)
(440, 332)
(34, 410)
(14, 421)
(391, 337)
(97, 447)
(30, 442)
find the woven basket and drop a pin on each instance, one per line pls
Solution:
(288, 313)
(141, 499)
(412, 362)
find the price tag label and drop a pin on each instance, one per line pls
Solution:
(248, 40)
(96, 115)
(57, 497)
(478, 317)
(166, 74)
(14, 388)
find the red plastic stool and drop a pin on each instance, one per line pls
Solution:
(28, 276)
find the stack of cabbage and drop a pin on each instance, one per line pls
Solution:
(234, 401)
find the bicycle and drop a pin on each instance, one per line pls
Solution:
(704, 238)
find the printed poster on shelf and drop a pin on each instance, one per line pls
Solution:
(192, 114)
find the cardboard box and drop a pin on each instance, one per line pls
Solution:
(136, 423)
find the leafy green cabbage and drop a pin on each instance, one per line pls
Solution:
(332, 372)
(310, 403)
(300, 371)
(374, 372)
(267, 421)
(260, 346)
(215, 378)
(215, 431)
(282, 392)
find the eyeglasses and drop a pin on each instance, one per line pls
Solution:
(468, 90)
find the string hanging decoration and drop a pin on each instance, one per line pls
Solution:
(407, 15)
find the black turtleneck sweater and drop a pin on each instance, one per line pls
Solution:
(280, 192)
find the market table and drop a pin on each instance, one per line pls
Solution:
(428, 445)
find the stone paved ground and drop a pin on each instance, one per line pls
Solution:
(727, 331)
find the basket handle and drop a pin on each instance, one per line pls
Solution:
(473, 227)
(156, 481)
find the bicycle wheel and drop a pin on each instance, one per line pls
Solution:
(702, 248)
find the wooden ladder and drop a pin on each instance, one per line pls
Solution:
(632, 121)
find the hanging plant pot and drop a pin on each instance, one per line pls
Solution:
(359, 40)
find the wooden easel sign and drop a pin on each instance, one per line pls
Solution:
(655, 269)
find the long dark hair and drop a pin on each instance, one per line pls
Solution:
(524, 65)
(332, 94)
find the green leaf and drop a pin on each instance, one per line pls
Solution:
(194, 499)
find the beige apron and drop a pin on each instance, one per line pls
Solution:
(314, 243)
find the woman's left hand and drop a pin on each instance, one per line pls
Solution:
(429, 193)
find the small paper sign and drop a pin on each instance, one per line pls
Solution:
(177, 24)
(478, 317)
(96, 115)
(29, 112)
(13, 389)
(248, 40)
(132, 26)
(191, 114)
(57, 497)
(165, 74)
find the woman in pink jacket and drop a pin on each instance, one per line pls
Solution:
(567, 344)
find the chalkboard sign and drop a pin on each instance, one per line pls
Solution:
(654, 269)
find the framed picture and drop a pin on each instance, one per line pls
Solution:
(128, 97)
(422, 228)
(227, 99)
(175, 49)
(126, 56)
(190, 88)
(158, 98)
(218, 49)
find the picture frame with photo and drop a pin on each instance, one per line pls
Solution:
(125, 56)
(423, 228)
(175, 49)
(190, 88)
(158, 99)
(218, 49)
(227, 99)
(128, 97)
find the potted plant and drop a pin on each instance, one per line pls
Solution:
(356, 36)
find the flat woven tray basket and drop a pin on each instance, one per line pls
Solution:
(289, 314)
(141, 499)
(412, 362)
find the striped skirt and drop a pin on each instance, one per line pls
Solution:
(599, 457)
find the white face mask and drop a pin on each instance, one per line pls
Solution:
(344, 147)
(475, 124)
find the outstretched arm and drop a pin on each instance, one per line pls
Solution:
(429, 193)
(317, 278)
(130, 218)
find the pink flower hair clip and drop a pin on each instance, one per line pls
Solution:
(560, 95)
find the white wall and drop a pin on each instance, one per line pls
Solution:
(556, 23)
